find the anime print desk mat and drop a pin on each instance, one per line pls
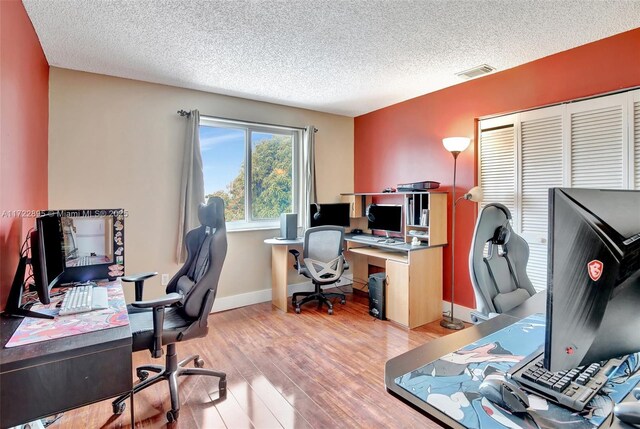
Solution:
(32, 330)
(451, 383)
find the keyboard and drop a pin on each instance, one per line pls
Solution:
(84, 298)
(572, 388)
(83, 261)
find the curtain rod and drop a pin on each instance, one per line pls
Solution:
(187, 114)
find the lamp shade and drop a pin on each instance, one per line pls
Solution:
(456, 144)
(474, 194)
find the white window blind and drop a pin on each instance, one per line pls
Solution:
(636, 138)
(498, 172)
(597, 141)
(591, 144)
(540, 169)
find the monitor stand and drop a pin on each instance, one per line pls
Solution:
(14, 299)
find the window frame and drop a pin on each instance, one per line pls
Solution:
(249, 223)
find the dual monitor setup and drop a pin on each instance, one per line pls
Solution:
(386, 218)
(66, 247)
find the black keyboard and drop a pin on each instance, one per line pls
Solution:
(572, 388)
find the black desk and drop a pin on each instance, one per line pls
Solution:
(45, 378)
(435, 349)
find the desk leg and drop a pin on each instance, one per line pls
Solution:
(279, 268)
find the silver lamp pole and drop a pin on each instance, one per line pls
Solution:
(455, 145)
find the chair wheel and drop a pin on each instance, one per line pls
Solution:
(142, 374)
(222, 388)
(330, 311)
(198, 363)
(172, 415)
(297, 310)
(343, 301)
(118, 408)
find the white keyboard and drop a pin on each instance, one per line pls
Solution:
(82, 299)
(83, 261)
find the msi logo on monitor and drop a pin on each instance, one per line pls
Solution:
(594, 268)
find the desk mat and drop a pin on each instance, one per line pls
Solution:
(450, 383)
(32, 330)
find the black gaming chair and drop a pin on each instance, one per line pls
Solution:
(323, 263)
(498, 264)
(181, 314)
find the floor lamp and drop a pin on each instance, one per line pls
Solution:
(455, 145)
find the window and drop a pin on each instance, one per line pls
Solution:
(586, 144)
(253, 168)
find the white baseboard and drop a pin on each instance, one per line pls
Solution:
(264, 295)
(459, 311)
(241, 300)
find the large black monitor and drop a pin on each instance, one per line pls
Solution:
(47, 262)
(47, 256)
(593, 301)
(385, 217)
(329, 214)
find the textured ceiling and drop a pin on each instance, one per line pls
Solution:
(340, 56)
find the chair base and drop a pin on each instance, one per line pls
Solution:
(170, 373)
(317, 295)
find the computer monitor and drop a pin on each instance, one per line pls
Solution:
(385, 217)
(47, 255)
(329, 214)
(593, 301)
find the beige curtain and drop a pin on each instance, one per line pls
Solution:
(192, 184)
(309, 194)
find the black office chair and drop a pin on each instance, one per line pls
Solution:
(323, 263)
(498, 264)
(181, 314)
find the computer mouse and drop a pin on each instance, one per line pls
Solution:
(628, 412)
(504, 394)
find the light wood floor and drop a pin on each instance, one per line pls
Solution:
(307, 370)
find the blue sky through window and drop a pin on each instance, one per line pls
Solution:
(222, 155)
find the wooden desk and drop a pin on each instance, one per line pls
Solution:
(279, 269)
(413, 278)
(48, 377)
(435, 349)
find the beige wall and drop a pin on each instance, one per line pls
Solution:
(117, 143)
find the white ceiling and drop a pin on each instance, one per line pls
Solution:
(341, 56)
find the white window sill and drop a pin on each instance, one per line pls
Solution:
(249, 228)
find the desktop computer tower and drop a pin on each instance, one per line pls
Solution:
(288, 226)
(376, 295)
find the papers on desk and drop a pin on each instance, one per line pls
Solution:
(32, 330)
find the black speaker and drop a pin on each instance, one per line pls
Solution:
(288, 226)
(377, 295)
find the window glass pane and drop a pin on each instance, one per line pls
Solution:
(223, 154)
(271, 175)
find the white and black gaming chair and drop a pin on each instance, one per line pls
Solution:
(498, 264)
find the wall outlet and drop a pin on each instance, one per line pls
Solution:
(165, 279)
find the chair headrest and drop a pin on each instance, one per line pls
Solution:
(212, 213)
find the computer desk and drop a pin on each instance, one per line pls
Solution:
(413, 275)
(437, 348)
(49, 377)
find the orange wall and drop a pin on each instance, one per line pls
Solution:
(403, 143)
(24, 117)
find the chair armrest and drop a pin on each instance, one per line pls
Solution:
(158, 306)
(138, 279)
(163, 301)
(296, 254)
